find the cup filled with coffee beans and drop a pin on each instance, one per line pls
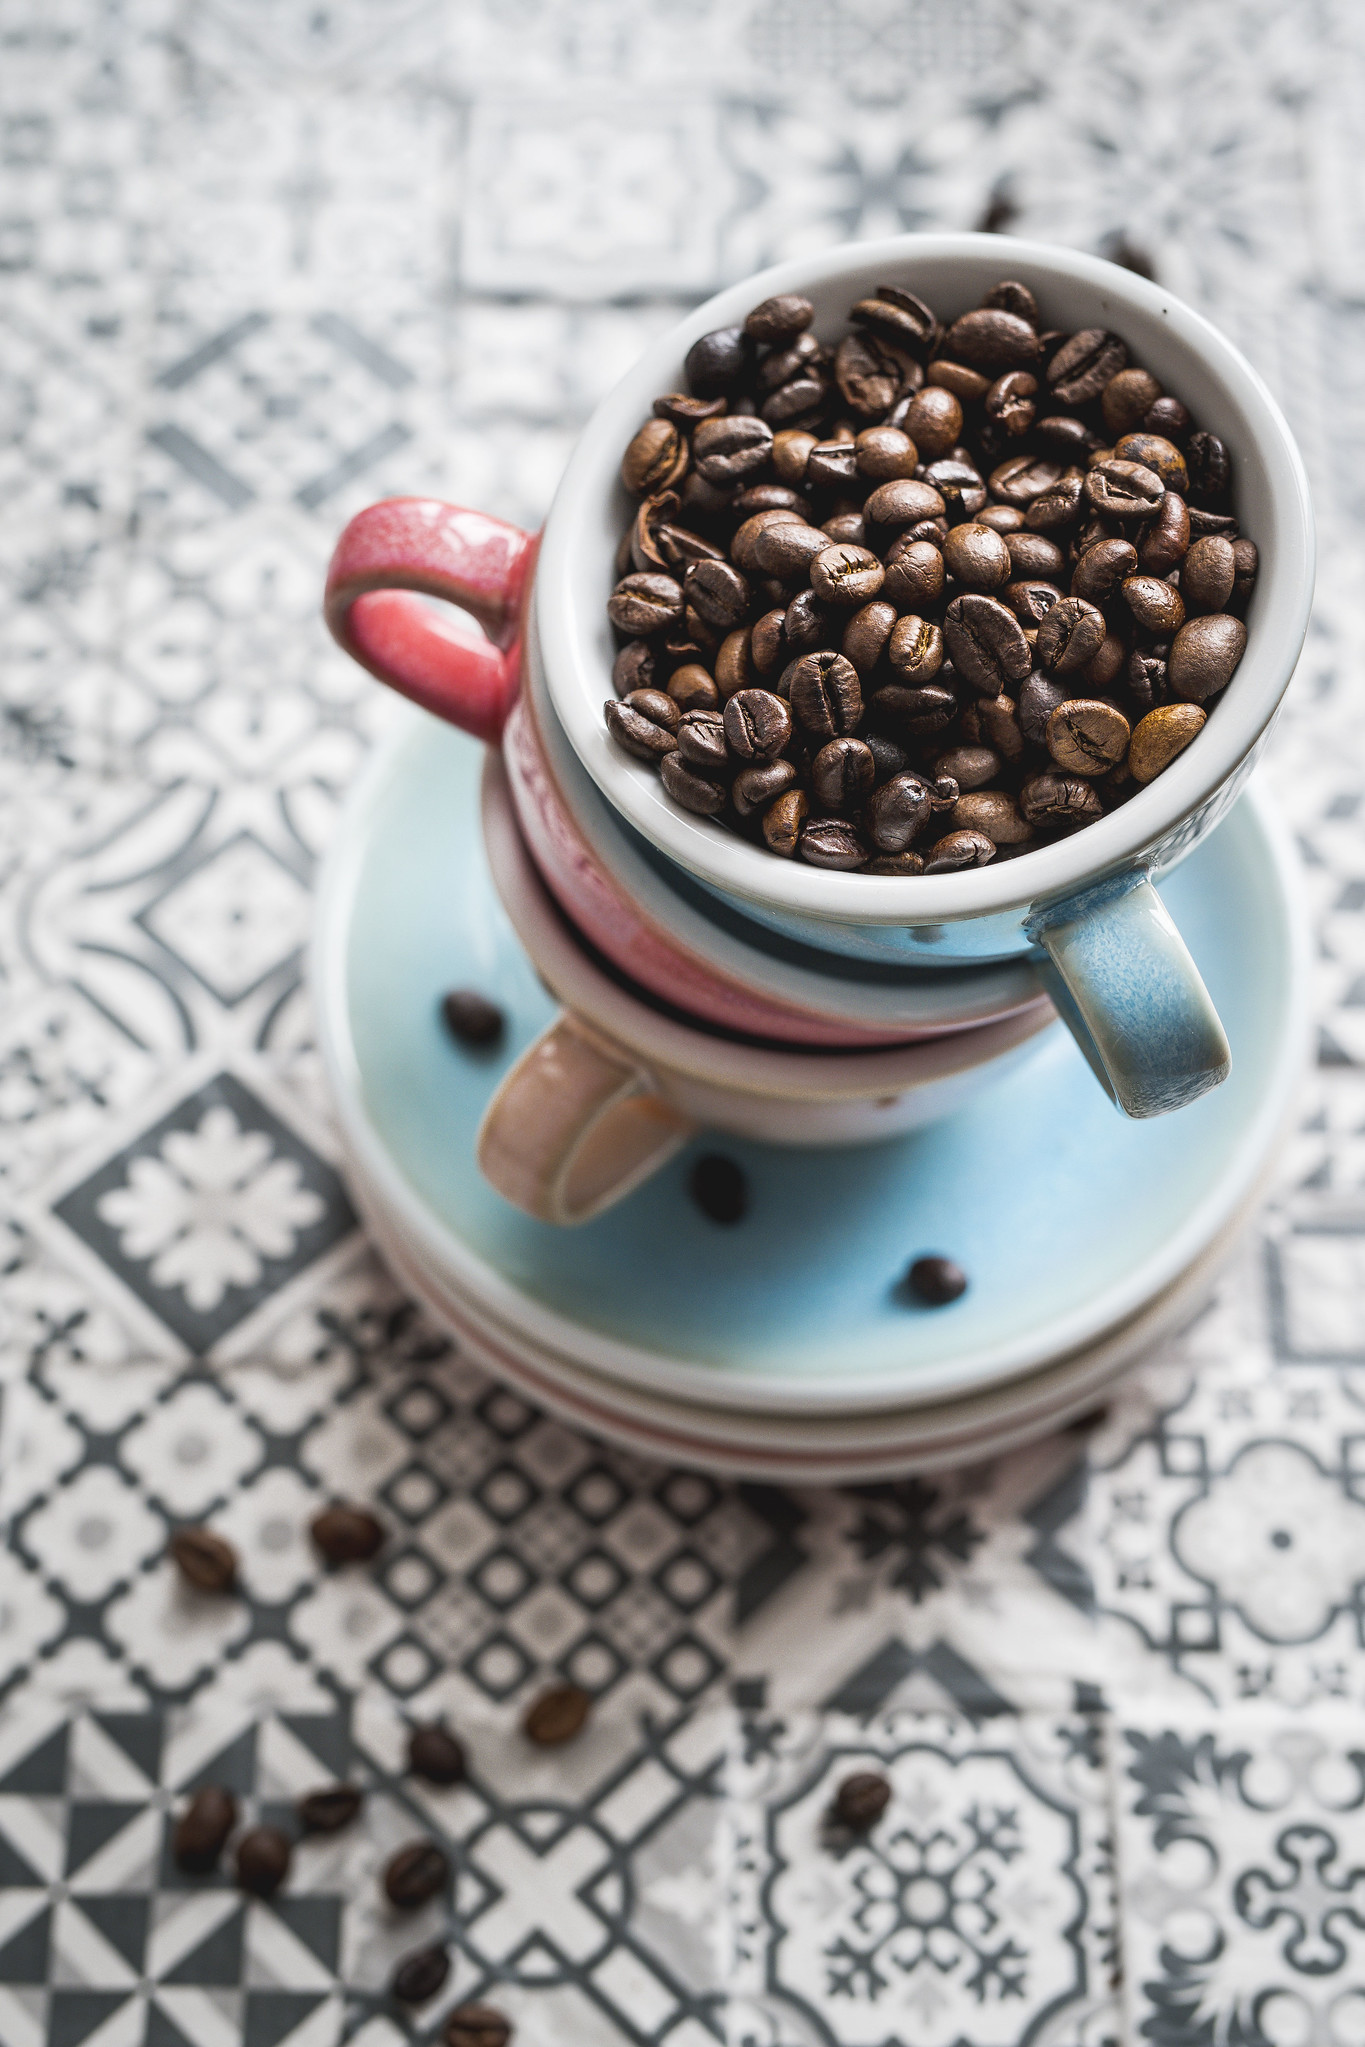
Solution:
(917, 604)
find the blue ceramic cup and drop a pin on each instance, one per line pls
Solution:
(1083, 906)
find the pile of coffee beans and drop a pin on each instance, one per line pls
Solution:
(925, 597)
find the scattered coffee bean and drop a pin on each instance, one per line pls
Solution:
(471, 1018)
(856, 566)
(719, 1188)
(420, 1975)
(860, 1801)
(936, 1281)
(414, 1874)
(204, 1559)
(200, 1834)
(263, 1858)
(329, 1810)
(556, 1716)
(476, 2025)
(346, 1535)
(435, 1754)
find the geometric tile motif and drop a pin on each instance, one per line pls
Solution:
(232, 920)
(1242, 1852)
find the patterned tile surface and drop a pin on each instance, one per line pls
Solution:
(261, 261)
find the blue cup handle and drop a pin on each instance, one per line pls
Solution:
(1126, 988)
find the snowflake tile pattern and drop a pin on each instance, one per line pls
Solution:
(979, 1908)
(1242, 1847)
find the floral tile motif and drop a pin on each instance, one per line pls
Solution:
(1242, 1855)
(977, 1912)
(210, 1211)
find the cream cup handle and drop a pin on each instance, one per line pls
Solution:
(575, 1125)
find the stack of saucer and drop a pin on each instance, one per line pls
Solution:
(783, 1346)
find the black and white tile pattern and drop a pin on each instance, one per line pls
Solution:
(260, 262)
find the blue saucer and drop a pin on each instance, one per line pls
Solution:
(1067, 1217)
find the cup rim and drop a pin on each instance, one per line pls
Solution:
(567, 598)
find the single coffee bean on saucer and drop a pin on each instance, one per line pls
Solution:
(414, 1874)
(476, 2025)
(556, 1716)
(719, 1188)
(204, 1559)
(860, 1801)
(936, 1281)
(263, 1858)
(471, 1018)
(347, 1535)
(420, 1975)
(201, 1832)
(329, 1810)
(434, 1753)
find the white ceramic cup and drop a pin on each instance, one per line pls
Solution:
(1115, 964)
(614, 1086)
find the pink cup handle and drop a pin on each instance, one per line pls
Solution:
(404, 545)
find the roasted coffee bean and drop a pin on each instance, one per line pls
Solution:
(695, 792)
(346, 1535)
(635, 667)
(744, 546)
(767, 646)
(971, 767)
(1101, 570)
(1160, 736)
(866, 635)
(958, 850)
(1203, 521)
(847, 529)
(1208, 573)
(642, 605)
(986, 642)
(831, 842)
(1012, 401)
(976, 557)
(655, 458)
(916, 713)
(1204, 654)
(846, 576)
(994, 721)
(435, 1754)
(686, 411)
(1022, 478)
(899, 315)
(1069, 636)
(966, 384)
(958, 484)
(1146, 675)
(1210, 466)
(414, 1874)
(936, 1280)
(1166, 415)
(791, 451)
(1087, 736)
(1067, 801)
(716, 364)
(200, 1834)
(895, 864)
(842, 774)
(933, 420)
(471, 1018)
(1065, 437)
(1103, 669)
(991, 339)
(329, 1810)
(640, 724)
(826, 696)
(1155, 452)
(204, 1560)
(691, 688)
(420, 1975)
(476, 2025)
(1124, 490)
(914, 574)
(1031, 601)
(1084, 364)
(1038, 699)
(262, 1860)
(1248, 562)
(868, 375)
(801, 356)
(832, 465)
(1034, 556)
(1013, 297)
(777, 319)
(735, 665)
(860, 1801)
(915, 649)
(732, 450)
(1002, 519)
(1126, 400)
(993, 812)
(1059, 506)
(701, 741)
(782, 823)
(787, 549)
(898, 812)
(902, 502)
(882, 453)
(1156, 604)
(753, 789)
(757, 725)
(556, 1715)
(1165, 542)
